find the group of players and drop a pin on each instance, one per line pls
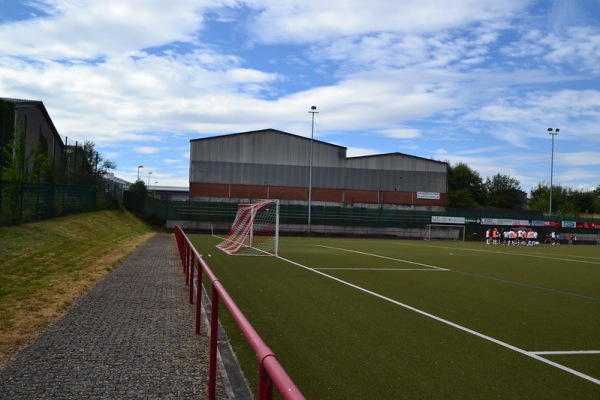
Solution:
(520, 237)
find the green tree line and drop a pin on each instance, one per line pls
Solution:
(467, 189)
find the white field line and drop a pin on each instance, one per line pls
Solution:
(566, 352)
(387, 258)
(512, 254)
(446, 269)
(379, 269)
(452, 324)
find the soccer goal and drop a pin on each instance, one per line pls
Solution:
(255, 230)
(445, 232)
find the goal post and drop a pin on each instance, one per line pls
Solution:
(445, 232)
(255, 230)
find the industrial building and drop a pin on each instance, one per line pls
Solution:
(271, 164)
(32, 119)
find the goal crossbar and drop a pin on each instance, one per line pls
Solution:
(255, 230)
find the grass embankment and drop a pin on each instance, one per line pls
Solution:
(45, 266)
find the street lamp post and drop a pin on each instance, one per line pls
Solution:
(139, 166)
(552, 132)
(149, 173)
(313, 111)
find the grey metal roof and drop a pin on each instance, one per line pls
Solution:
(263, 131)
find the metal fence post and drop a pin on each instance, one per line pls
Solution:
(265, 384)
(214, 325)
(186, 265)
(192, 279)
(199, 298)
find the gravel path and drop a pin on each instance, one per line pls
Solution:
(131, 337)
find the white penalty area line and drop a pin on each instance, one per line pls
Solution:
(434, 268)
(575, 352)
(452, 324)
(513, 254)
(385, 257)
(377, 269)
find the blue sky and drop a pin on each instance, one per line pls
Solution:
(473, 81)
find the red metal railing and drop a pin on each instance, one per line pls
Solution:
(270, 372)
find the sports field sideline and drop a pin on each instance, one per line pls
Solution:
(367, 318)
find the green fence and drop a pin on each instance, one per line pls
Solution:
(221, 214)
(30, 201)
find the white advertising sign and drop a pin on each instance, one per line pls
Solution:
(447, 220)
(428, 195)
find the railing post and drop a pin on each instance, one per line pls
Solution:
(214, 325)
(265, 384)
(184, 255)
(199, 298)
(192, 279)
(187, 263)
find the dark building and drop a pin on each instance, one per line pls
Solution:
(32, 118)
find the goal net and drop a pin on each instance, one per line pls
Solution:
(255, 231)
(445, 232)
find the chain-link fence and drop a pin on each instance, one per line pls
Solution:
(30, 201)
(370, 221)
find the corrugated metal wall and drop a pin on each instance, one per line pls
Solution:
(276, 158)
(266, 147)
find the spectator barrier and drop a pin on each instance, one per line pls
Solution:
(270, 371)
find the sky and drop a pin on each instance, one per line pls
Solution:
(472, 81)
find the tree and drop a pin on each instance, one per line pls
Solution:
(43, 170)
(465, 187)
(139, 189)
(596, 200)
(565, 201)
(461, 198)
(504, 192)
(96, 163)
(16, 161)
(579, 202)
(539, 197)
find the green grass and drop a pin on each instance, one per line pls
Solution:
(339, 342)
(45, 266)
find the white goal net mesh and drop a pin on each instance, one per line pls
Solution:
(255, 231)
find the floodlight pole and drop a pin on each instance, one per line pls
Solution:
(139, 166)
(312, 133)
(552, 132)
(149, 173)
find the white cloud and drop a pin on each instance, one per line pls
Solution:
(318, 21)
(359, 151)
(87, 29)
(582, 158)
(578, 47)
(400, 133)
(147, 150)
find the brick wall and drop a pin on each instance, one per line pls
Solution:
(318, 194)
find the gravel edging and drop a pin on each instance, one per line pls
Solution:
(130, 337)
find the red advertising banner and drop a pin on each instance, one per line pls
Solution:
(552, 224)
(588, 225)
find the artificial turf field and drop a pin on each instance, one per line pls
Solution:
(389, 319)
